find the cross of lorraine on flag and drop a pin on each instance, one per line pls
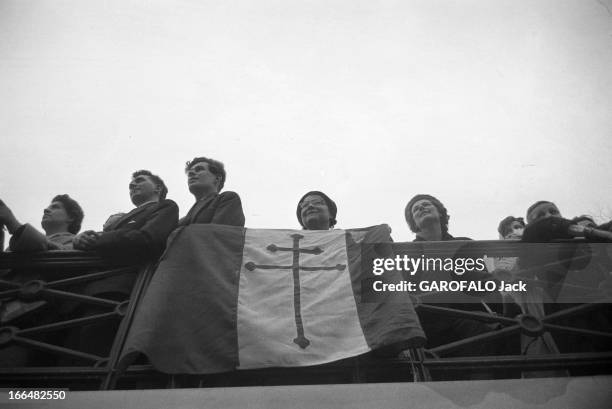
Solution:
(226, 298)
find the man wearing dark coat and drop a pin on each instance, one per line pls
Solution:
(205, 178)
(138, 236)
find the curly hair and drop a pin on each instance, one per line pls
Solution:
(163, 190)
(444, 216)
(73, 209)
(504, 226)
(216, 168)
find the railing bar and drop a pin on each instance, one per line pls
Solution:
(9, 293)
(10, 284)
(523, 362)
(579, 331)
(80, 297)
(89, 277)
(528, 271)
(56, 372)
(488, 336)
(577, 309)
(68, 323)
(480, 316)
(54, 348)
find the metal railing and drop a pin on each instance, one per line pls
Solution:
(45, 295)
(45, 307)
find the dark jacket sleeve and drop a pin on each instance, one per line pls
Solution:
(28, 239)
(229, 210)
(144, 239)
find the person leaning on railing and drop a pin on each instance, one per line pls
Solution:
(61, 220)
(566, 273)
(139, 235)
(428, 219)
(136, 237)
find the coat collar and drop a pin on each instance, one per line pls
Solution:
(199, 205)
(126, 217)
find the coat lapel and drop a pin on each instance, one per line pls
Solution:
(198, 207)
(130, 216)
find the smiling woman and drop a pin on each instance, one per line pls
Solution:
(316, 211)
(427, 217)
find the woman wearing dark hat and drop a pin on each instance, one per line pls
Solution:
(316, 211)
(428, 218)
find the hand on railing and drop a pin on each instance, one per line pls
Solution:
(85, 240)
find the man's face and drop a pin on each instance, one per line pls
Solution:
(55, 214)
(143, 189)
(314, 213)
(200, 178)
(544, 210)
(423, 212)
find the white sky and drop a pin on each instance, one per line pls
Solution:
(488, 105)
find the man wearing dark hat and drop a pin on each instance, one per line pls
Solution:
(316, 211)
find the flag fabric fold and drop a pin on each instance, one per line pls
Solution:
(226, 298)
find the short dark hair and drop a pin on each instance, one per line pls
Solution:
(216, 168)
(444, 216)
(163, 190)
(73, 209)
(504, 226)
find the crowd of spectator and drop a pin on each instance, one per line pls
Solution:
(140, 235)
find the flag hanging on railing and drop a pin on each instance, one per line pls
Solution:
(226, 298)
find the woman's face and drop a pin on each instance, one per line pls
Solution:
(422, 210)
(314, 213)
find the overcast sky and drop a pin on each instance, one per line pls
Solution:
(488, 105)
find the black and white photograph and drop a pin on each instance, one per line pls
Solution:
(306, 204)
